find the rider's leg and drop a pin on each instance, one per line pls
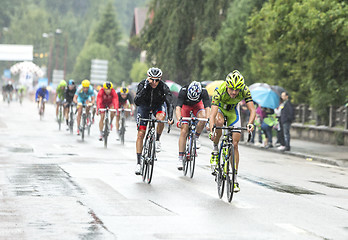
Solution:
(219, 122)
(117, 122)
(160, 116)
(79, 112)
(236, 138)
(101, 122)
(139, 142)
(66, 113)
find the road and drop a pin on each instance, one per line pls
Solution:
(54, 186)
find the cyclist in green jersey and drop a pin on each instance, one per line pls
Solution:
(225, 104)
(60, 92)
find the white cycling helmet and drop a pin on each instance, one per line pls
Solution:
(194, 91)
(154, 72)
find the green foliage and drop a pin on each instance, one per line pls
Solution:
(82, 68)
(138, 71)
(229, 50)
(302, 46)
(174, 38)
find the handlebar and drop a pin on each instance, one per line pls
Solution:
(106, 109)
(194, 119)
(232, 128)
(124, 109)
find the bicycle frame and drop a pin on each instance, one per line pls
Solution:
(189, 159)
(106, 124)
(148, 156)
(123, 121)
(226, 168)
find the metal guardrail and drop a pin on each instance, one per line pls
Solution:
(338, 116)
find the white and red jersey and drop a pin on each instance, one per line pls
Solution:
(104, 100)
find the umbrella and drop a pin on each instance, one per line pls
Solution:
(278, 89)
(205, 83)
(264, 95)
(27, 67)
(212, 86)
(173, 87)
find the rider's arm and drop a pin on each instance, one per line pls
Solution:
(206, 102)
(178, 113)
(99, 98)
(37, 94)
(46, 95)
(169, 101)
(141, 92)
(251, 107)
(213, 113)
(115, 99)
(75, 99)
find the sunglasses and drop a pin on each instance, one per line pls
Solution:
(155, 79)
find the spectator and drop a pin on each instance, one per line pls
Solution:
(267, 125)
(280, 134)
(260, 114)
(286, 118)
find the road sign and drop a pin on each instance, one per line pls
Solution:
(99, 71)
(58, 75)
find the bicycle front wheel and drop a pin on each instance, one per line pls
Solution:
(144, 158)
(220, 176)
(83, 127)
(192, 161)
(230, 175)
(151, 159)
(106, 132)
(122, 130)
(60, 116)
(71, 123)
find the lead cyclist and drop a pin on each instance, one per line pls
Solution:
(225, 103)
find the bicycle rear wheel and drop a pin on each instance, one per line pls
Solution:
(151, 159)
(89, 124)
(106, 132)
(60, 116)
(192, 161)
(230, 175)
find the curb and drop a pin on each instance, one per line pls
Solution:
(308, 157)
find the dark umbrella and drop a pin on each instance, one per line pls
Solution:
(278, 90)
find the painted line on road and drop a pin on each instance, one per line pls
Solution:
(291, 228)
(209, 192)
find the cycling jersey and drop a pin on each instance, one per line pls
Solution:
(82, 96)
(122, 100)
(8, 88)
(40, 92)
(229, 106)
(184, 100)
(69, 94)
(104, 100)
(60, 91)
(154, 98)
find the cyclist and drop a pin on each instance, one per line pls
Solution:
(84, 96)
(42, 92)
(107, 97)
(193, 98)
(69, 97)
(152, 95)
(125, 100)
(9, 89)
(60, 94)
(225, 104)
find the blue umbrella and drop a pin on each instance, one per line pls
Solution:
(265, 96)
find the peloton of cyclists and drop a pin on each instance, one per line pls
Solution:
(125, 100)
(193, 98)
(152, 95)
(69, 97)
(107, 97)
(84, 96)
(225, 104)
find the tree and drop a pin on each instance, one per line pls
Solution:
(302, 46)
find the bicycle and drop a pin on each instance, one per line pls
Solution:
(41, 108)
(123, 123)
(60, 115)
(85, 123)
(148, 156)
(189, 159)
(226, 166)
(106, 129)
(71, 118)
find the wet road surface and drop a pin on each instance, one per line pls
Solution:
(54, 186)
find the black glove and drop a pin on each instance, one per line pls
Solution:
(146, 83)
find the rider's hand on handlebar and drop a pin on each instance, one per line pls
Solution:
(250, 127)
(170, 121)
(90, 104)
(178, 124)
